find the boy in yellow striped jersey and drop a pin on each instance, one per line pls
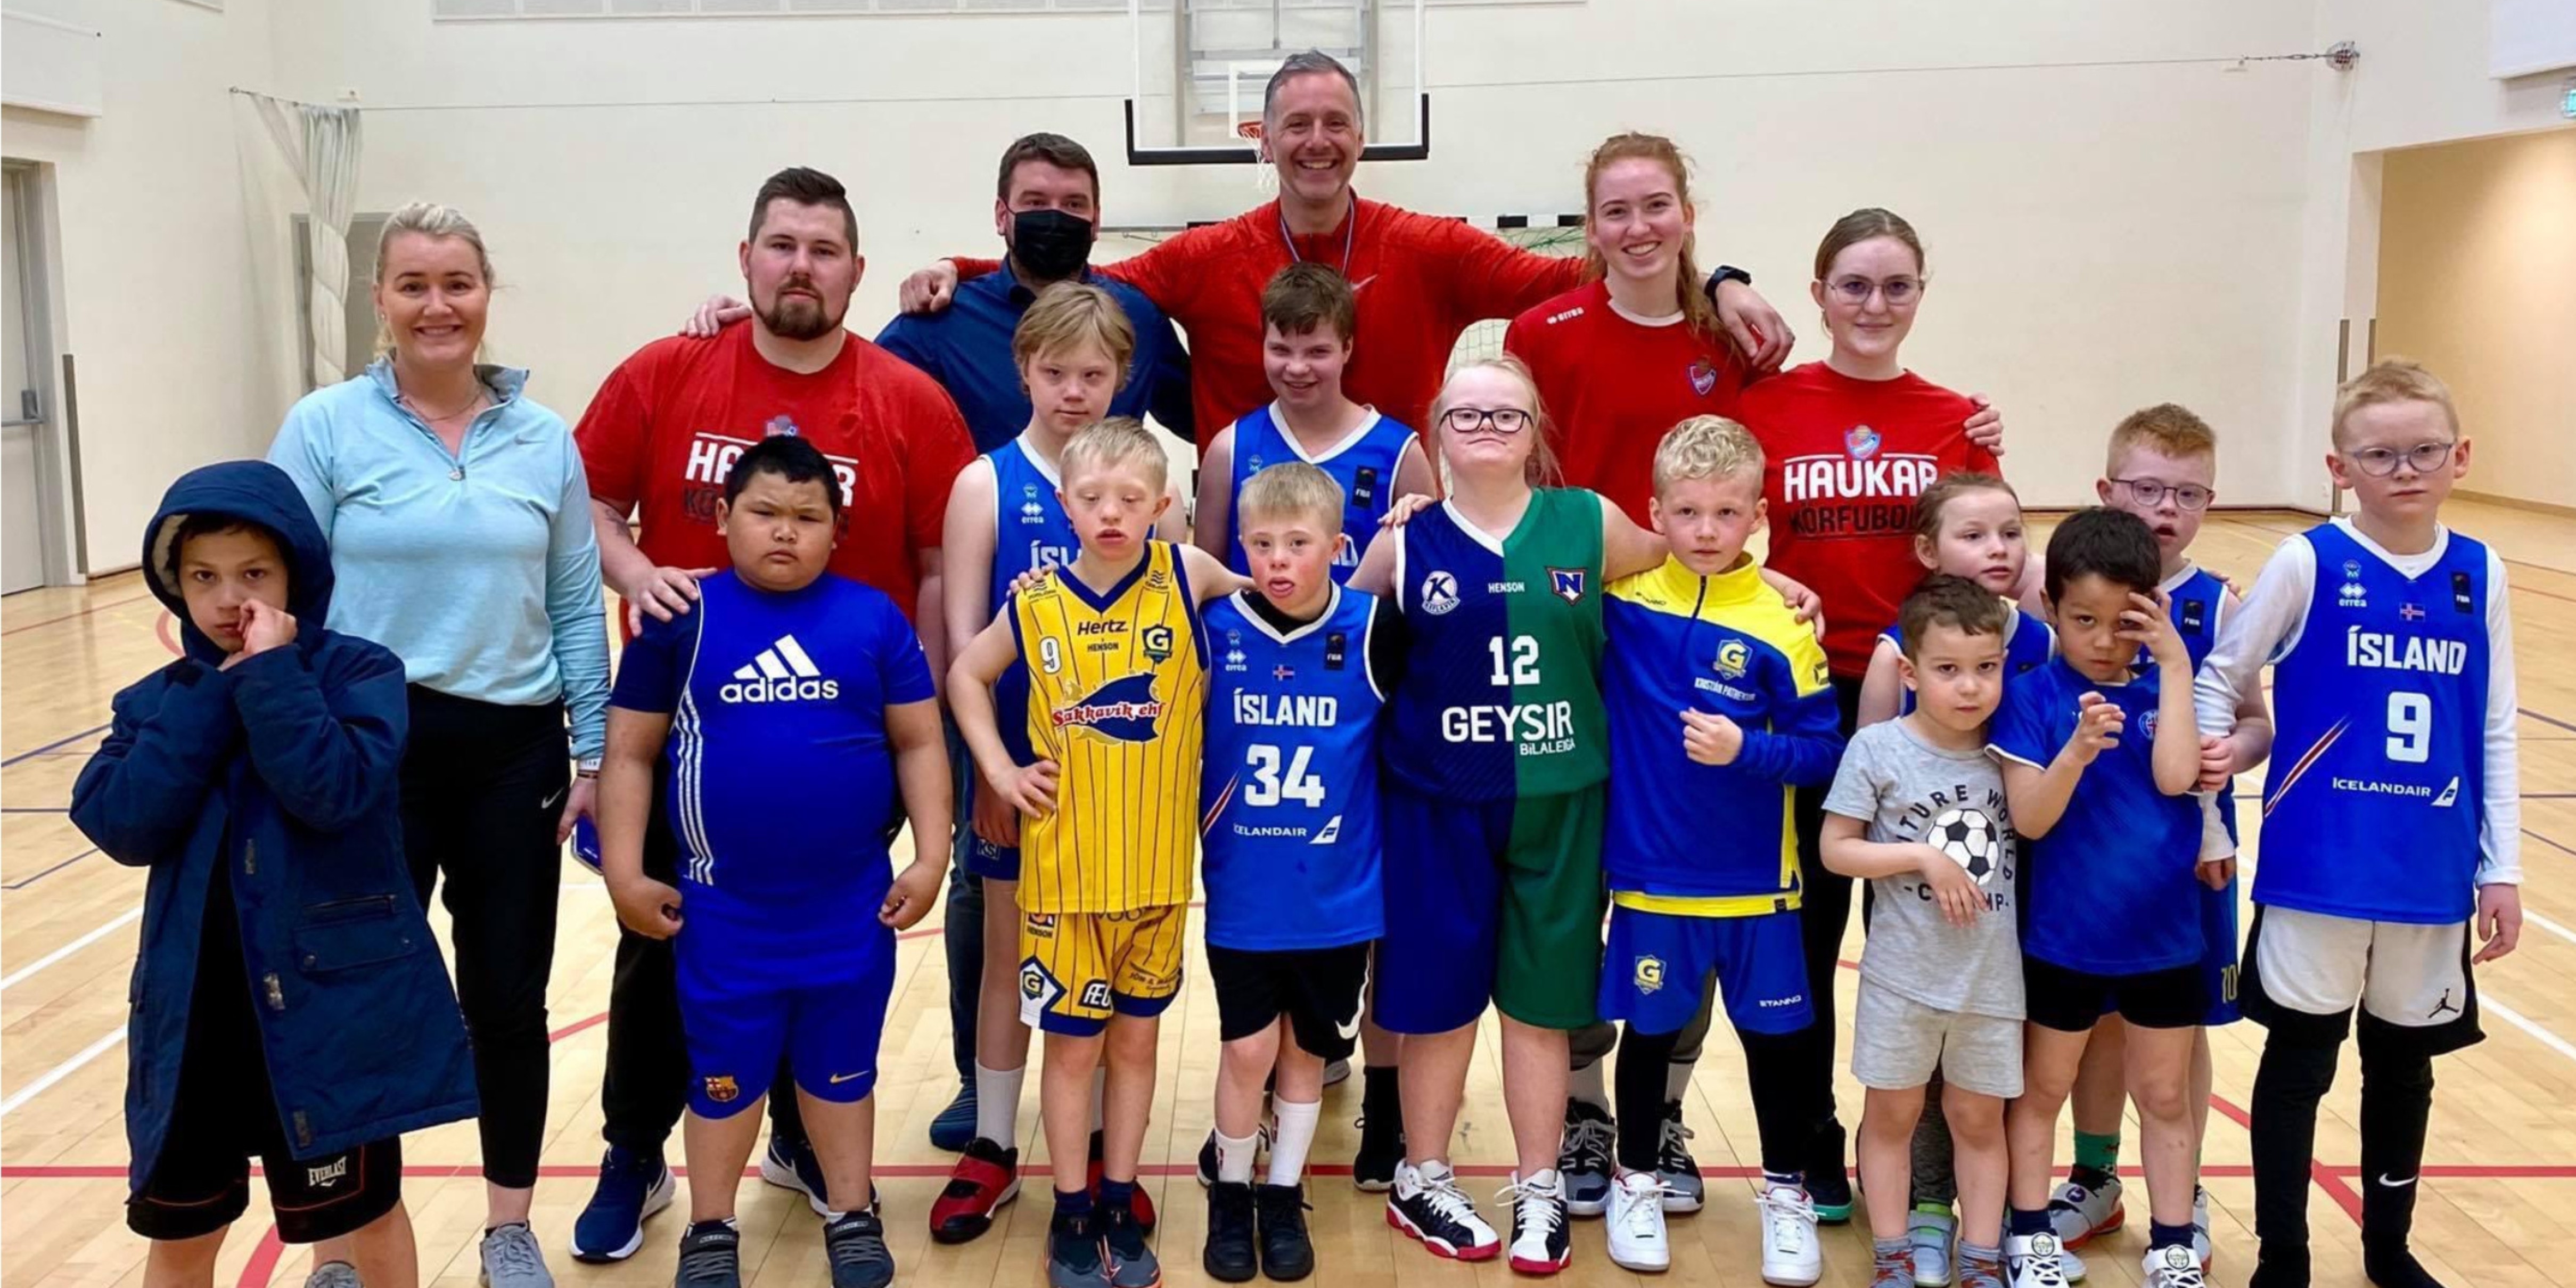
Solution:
(1117, 664)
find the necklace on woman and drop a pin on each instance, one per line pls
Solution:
(422, 411)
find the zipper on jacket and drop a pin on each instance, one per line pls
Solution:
(276, 993)
(303, 1129)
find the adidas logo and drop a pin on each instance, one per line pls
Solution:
(781, 673)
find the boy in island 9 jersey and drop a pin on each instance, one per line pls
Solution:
(1719, 705)
(1307, 315)
(1117, 665)
(2392, 820)
(1288, 818)
(801, 731)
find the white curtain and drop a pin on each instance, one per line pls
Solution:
(320, 147)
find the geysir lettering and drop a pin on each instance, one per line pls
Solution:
(2410, 653)
(1527, 722)
(1313, 711)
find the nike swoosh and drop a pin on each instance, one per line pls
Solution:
(1350, 1030)
(839, 1078)
(556, 799)
(2395, 1185)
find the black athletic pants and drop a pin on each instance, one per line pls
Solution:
(645, 1086)
(482, 787)
(1824, 908)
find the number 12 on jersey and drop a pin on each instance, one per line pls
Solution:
(1519, 665)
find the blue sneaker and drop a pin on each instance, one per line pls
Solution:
(791, 1165)
(631, 1188)
(955, 1125)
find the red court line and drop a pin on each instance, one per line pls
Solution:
(94, 608)
(263, 1260)
(2326, 1179)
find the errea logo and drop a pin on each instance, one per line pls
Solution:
(781, 672)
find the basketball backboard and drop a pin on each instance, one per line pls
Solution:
(1201, 66)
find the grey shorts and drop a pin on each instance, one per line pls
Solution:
(1897, 1042)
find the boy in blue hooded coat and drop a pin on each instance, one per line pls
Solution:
(288, 1000)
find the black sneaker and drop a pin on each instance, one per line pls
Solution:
(1685, 1190)
(856, 1247)
(1286, 1251)
(1076, 1258)
(1231, 1255)
(1132, 1263)
(1827, 1183)
(790, 1164)
(1381, 1125)
(710, 1256)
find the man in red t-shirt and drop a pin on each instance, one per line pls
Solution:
(657, 441)
(1420, 279)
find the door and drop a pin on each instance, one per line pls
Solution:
(23, 521)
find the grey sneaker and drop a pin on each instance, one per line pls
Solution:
(856, 1247)
(710, 1256)
(332, 1274)
(511, 1259)
(1584, 1158)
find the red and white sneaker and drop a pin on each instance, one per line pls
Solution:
(1541, 1243)
(987, 1177)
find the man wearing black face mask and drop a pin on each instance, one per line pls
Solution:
(1047, 208)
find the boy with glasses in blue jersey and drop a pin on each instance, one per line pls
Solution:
(2395, 823)
(782, 686)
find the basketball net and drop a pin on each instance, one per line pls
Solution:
(1265, 176)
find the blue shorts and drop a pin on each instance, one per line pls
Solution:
(1658, 963)
(979, 857)
(749, 994)
(1490, 901)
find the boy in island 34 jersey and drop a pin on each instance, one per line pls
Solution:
(2393, 820)
(1117, 665)
(1307, 315)
(1005, 519)
(1289, 820)
(784, 686)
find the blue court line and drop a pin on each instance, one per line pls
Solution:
(65, 742)
(21, 885)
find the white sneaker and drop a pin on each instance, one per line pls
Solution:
(2201, 1247)
(2031, 1261)
(2077, 1214)
(1541, 1243)
(1790, 1254)
(1427, 1204)
(2171, 1266)
(2070, 1265)
(1636, 1223)
(1930, 1233)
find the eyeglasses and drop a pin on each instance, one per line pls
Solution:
(1504, 420)
(1897, 291)
(2150, 493)
(2380, 462)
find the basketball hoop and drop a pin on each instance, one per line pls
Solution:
(1265, 176)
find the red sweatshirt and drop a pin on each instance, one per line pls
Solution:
(1615, 386)
(1420, 280)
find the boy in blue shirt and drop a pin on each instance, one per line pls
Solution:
(1719, 705)
(1288, 823)
(288, 999)
(784, 686)
(2099, 759)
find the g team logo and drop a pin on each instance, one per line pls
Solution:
(1157, 641)
(1649, 975)
(1733, 657)
(1439, 593)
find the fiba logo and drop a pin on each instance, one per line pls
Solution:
(781, 672)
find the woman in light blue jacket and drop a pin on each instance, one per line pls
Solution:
(459, 522)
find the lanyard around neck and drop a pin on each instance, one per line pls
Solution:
(1350, 236)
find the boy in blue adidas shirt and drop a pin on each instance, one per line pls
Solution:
(1307, 315)
(806, 732)
(1719, 704)
(2393, 824)
(2100, 756)
(1288, 823)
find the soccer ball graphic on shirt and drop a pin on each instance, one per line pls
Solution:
(1971, 840)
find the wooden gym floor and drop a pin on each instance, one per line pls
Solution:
(2499, 1187)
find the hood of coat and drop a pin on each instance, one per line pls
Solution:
(253, 492)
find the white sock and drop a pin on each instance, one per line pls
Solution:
(997, 1104)
(1099, 1095)
(1677, 1078)
(1291, 1138)
(1234, 1158)
(1589, 1085)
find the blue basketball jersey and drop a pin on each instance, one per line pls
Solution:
(1501, 696)
(2113, 887)
(1363, 463)
(2029, 643)
(1288, 802)
(2378, 769)
(782, 785)
(1030, 533)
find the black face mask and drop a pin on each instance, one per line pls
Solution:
(1051, 245)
